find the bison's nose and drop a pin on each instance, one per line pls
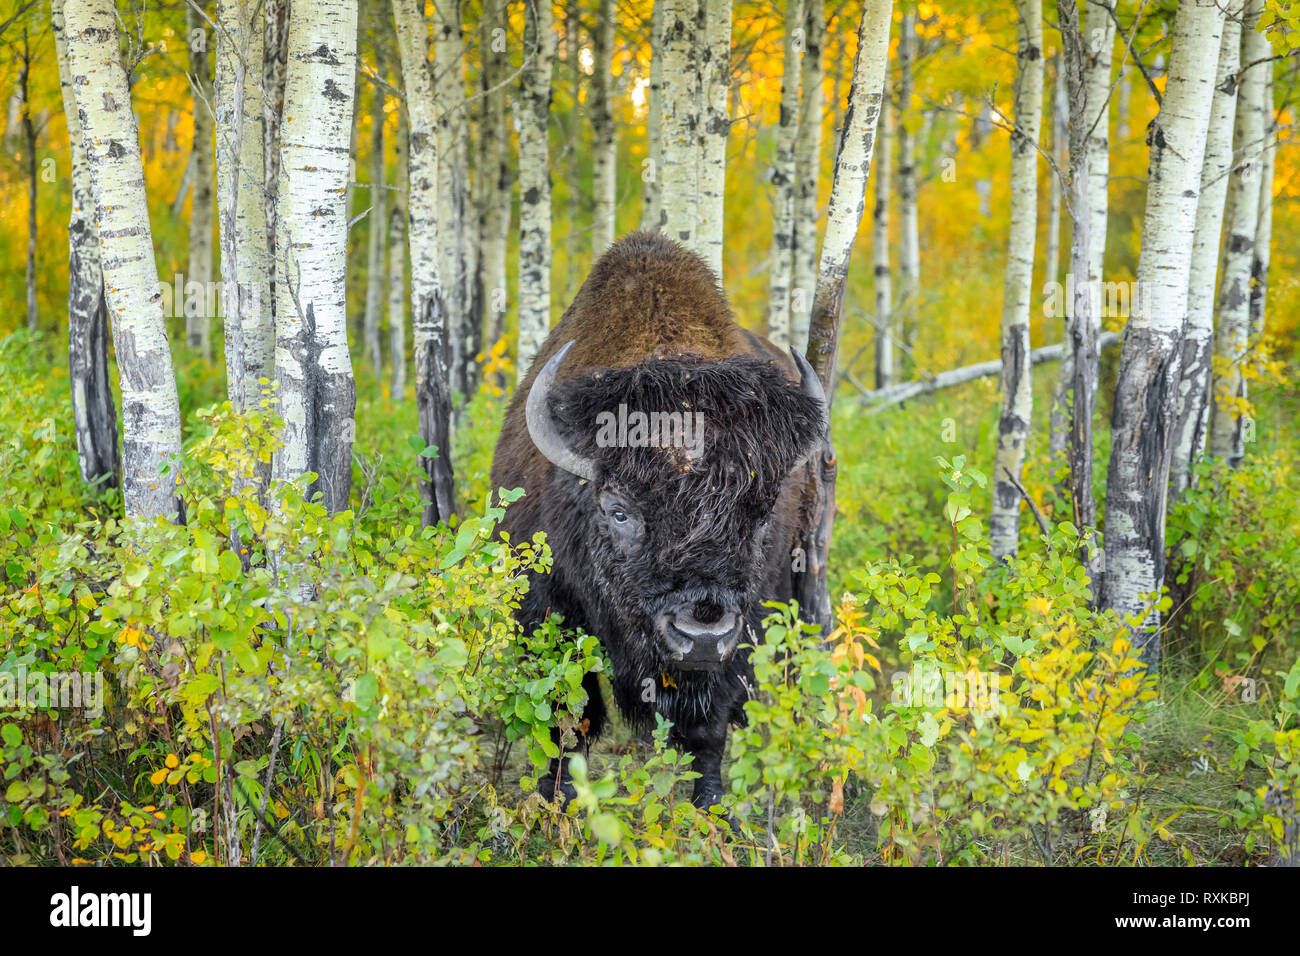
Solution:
(702, 634)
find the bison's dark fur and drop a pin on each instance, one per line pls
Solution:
(660, 551)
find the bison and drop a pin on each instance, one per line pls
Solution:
(659, 445)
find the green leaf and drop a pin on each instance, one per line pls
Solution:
(11, 735)
(229, 565)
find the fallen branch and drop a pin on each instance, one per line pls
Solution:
(881, 398)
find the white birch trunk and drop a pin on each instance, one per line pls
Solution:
(604, 145)
(652, 191)
(1016, 383)
(151, 438)
(428, 315)
(909, 242)
(241, 174)
(1232, 334)
(94, 415)
(1060, 134)
(715, 125)
(198, 323)
(495, 181)
(780, 268)
(807, 173)
(1198, 331)
(397, 272)
(535, 187)
(843, 217)
(312, 363)
(449, 73)
(848, 186)
(880, 250)
(377, 219)
(1146, 393)
(1264, 223)
(679, 123)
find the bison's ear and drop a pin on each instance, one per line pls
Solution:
(542, 427)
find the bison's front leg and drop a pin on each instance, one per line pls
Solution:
(557, 785)
(706, 742)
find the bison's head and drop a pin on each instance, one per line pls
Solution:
(676, 470)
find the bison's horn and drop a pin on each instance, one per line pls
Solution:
(541, 426)
(811, 386)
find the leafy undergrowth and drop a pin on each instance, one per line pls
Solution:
(962, 712)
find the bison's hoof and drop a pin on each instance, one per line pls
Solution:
(564, 794)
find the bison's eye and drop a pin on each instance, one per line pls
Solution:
(619, 516)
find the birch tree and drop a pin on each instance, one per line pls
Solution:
(604, 145)
(843, 217)
(1094, 106)
(94, 415)
(880, 251)
(494, 175)
(1016, 383)
(428, 314)
(1264, 223)
(807, 172)
(312, 363)
(715, 125)
(535, 186)
(651, 191)
(1146, 391)
(1232, 335)
(241, 182)
(449, 88)
(376, 244)
(1198, 331)
(1082, 328)
(679, 122)
(909, 242)
(151, 440)
(199, 276)
(780, 268)
(397, 272)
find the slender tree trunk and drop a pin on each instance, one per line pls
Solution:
(680, 121)
(1232, 336)
(1016, 383)
(652, 210)
(807, 172)
(397, 271)
(312, 363)
(94, 415)
(428, 314)
(1080, 354)
(449, 70)
(715, 125)
(1264, 223)
(843, 217)
(880, 250)
(29, 160)
(151, 446)
(1060, 134)
(573, 145)
(604, 145)
(1146, 393)
(245, 259)
(1100, 40)
(495, 180)
(780, 267)
(378, 220)
(197, 321)
(535, 187)
(274, 65)
(1198, 330)
(909, 249)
